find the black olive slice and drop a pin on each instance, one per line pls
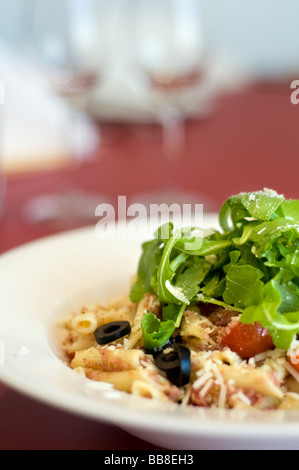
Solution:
(168, 361)
(155, 352)
(110, 332)
(176, 364)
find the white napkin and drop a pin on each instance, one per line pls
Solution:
(34, 125)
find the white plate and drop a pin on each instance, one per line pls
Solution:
(44, 281)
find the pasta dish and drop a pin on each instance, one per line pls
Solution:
(209, 320)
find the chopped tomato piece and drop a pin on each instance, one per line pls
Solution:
(293, 359)
(247, 340)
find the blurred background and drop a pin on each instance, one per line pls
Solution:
(158, 100)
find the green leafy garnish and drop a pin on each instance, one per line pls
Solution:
(147, 271)
(155, 332)
(250, 265)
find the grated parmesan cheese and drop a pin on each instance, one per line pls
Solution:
(177, 292)
(202, 380)
(292, 371)
(242, 397)
(206, 388)
(223, 388)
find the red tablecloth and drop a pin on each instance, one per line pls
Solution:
(249, 143)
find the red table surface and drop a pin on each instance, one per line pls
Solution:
(248, 143)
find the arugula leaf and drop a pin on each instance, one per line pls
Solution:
(259, 205)
(166, 290)
(155, 332)
(171, 312)
(147, 270)
(250, 266)
(265, 235)
(190, 279)
(288, 288)
(267, 314)
(165, 232)
(214, 286)
(243, 286)
(289, 209)
(174, 313)
(211, 300)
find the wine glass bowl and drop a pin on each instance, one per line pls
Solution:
(170, 66)
(69, 47)
(170, 42)
(68, 35)
(169, 54)
(176, 83)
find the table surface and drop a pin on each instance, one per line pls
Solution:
(248, 143)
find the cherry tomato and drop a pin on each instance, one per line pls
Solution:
(294, 360)
(247, 340)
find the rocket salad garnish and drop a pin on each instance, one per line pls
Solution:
(250, 265)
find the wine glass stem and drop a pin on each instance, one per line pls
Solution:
(174, 137)
(84, 136)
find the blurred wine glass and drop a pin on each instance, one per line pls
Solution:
(2, 172)
(170, 50)
(68, 45)
(170, 58)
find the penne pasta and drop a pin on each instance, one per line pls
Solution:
(290, 402)
(108, 359)
(197, 330)
(257, 379)
(74, 342)
(219, 377)
(85, 323)
(148, 304)
(144, 389)
(122, 380)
